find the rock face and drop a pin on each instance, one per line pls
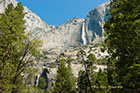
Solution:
(33, 22)
(58, 39)
(64, 36)
(94, 23)
(69, 34)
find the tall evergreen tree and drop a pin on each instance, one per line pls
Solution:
(71, 79)
(102, 82)
(16, 50)
(80, 55)
(60, 78)
(82, 82)
(64, 82)
(84, 78)
(123, 42)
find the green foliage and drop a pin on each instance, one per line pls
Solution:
(80, 55)
(83, 86)
(102, 43)
(123, 42)
(65, 82)
(42, 83)
(16, 50)
(91, 60)
(69, 59)
(102, 49)
(102, 82)
(84, 77)
(102, 61)
(75, 62)
(10, 7)
(52, 65)
(99, 82)
(71, 79)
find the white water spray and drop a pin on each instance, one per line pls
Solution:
(37, 80)
(84, 34)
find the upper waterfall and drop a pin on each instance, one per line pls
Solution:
(84, 34)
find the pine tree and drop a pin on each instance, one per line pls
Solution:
(84, 79)
(16, 50)
(91, 60)
(42, 83)
(71, 79)
(82, 82)
(60, 78)
(80, 56)
(123, 42)
(102, 82)
(64, 82)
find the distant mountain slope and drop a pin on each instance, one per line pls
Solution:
(70, 34)
(58, 39)
(33, 22)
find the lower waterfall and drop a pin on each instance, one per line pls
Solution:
(84, 34)
(37, 80)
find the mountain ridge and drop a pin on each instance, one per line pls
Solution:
(58, 39)
(94, 21)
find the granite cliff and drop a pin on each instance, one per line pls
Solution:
(64, 36)
(58, 39)
(69, 34)
(95, 21)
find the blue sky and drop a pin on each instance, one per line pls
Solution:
(57, 12)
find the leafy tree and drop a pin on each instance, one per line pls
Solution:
(16, 50)
(123, 42)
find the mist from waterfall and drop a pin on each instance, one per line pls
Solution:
(84, 34)
(37, 80)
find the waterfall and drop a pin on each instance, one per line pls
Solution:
(37, 80)
(84, 34)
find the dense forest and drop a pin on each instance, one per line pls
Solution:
(19, 52)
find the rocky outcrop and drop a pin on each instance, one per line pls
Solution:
(69, 34)
(33, 22)
(58, 39)
(95, 21)
(64, 36)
